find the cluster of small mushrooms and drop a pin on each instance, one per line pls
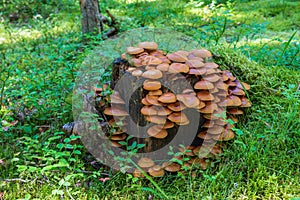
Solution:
(213, 91)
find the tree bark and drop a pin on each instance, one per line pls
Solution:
(91, 18)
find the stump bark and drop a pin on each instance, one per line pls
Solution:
(133, 93)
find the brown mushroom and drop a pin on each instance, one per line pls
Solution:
(202, 53)
(134, 50)
(149, 110)
(151, 85)
(199, 71)
(164, 67)
(178, 117)
(177, 106)
(137, 72)
(210, 65)
(189, 100)
(156, 171)
(151, 60)
(157, 132)
(215, 130)
(177, 57)
(153, 100)
(167, 98)
(138, 174)
(171, 167)
(245, 102)
(115, 111)
(163, 111)
(237, 91)
(195, 63)
(115, 98)
(178, 68)
(235, 111)
(209, 108)
(243, 85)
(156, 119)
(152, 74)
(145, 162)
(212, 77)
(155, 92)
(205, 96)
(203, 85)
(148, 45)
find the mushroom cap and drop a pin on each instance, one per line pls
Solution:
(136, 62)
(163, 111)
(199, 71)
(148, 45)
(164, 67)
(221, 85)
(157, 53)
(243, 85)
(138, 174)
(152, 74)
(189, 100)
(235, 101)
(228, 134)
(203, 85)
(208, 124)
(178, 117)
(155, 92)
(149, 110)
(115, 144)
(171, 167)
(237, 91)
(118, 137)
(235, 111)
(168, 125)
(160, 134)
(210, 65)
(151, 60)
(145, 102)
(178, 68)
(115, 112)
(177, 57)
(145, 162)
(134, 50)
(153, 100)
(205, 96)
(215, 130)
(151, 85)
(194, 63)
(189, 91)
(115, 98)
(156, 119)
(202, 53)
(156, 171)
(245, 102)
(209, 108)
(228, 75)
(168, 97)
(177, 106)
(212, 77)
(137, 72)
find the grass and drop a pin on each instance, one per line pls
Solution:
(39, 61)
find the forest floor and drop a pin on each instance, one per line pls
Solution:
(41, 54)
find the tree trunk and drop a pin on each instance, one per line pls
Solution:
(91, 18)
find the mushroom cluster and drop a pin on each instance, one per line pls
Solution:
(214, 93)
